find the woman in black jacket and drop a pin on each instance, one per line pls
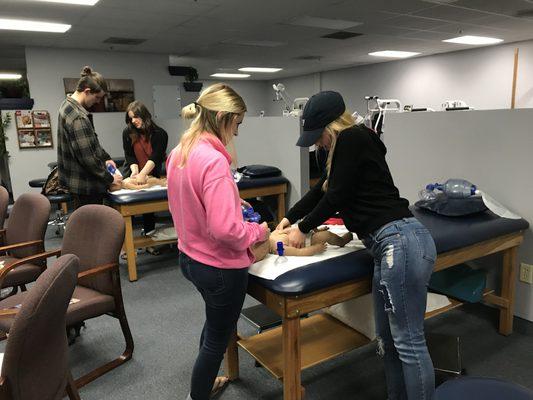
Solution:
(145, 146)
(358, 184)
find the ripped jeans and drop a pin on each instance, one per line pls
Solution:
(404, 254)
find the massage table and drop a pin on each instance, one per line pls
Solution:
(150, 201)
(302, 343)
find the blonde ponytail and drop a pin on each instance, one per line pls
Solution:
(345, 121)
(217, 107)
(190, 111)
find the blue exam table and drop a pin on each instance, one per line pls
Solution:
(302, 343)
(149, 201)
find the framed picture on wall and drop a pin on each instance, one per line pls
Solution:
(119, 94)
(43, 138)
(41, 119)
(26, 138)
(23, 119)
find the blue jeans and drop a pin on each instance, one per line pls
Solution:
(404, 254)
(223, 291)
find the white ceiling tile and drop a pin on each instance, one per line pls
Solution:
(413, 22)
(427, 35)
(195, 29)
(450, 13)
(502, 7)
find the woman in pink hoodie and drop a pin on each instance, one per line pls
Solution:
(214, 240)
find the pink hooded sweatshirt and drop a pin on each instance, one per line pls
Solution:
(206, 209)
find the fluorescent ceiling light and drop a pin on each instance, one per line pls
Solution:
(9, 76)
(393, 54)
(474, 40)
(327, 23)
(226, 75)
(34, 26)
(76, 2)
(259, 69)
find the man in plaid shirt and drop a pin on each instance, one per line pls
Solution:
(81, 159)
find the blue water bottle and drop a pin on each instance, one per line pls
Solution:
(111, 169)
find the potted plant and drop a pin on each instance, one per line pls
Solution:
(190, 84)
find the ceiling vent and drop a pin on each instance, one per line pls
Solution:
(341, 35)
(127, 41)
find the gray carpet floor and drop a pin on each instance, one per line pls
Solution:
(166, 315)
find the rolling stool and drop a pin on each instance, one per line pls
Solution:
(37, 183)
(61, 200)
(445, 352)
(481, 388)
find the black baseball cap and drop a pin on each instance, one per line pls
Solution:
(320, 110)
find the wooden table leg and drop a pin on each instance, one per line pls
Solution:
(130, 249)
(231, 359)
(507, 290)
(281, 207)
(292, 368)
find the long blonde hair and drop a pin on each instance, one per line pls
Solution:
(345, 121)
(217, 98)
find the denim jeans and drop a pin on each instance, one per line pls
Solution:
(223, 291)
(404, 254)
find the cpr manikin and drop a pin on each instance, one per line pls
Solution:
(317, 243)
(132, 184)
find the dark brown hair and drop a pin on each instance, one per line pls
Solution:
(91, 80)
(139, 110)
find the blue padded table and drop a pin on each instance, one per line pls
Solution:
(150, 201)
(299, 344)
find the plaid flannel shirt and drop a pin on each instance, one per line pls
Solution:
(80, 157)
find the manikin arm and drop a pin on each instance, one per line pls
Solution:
(305, 251)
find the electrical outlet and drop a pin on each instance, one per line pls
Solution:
(526, 273)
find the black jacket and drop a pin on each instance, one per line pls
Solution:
(360, 187)
(158, 140)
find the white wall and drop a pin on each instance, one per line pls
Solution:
(271, 141)
(491, 149)
(252, 92)
(482, 77)
(46, 68)
(300, 86)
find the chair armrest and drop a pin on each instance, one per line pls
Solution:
(26, 260)
(98, 270)
(20, 245)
